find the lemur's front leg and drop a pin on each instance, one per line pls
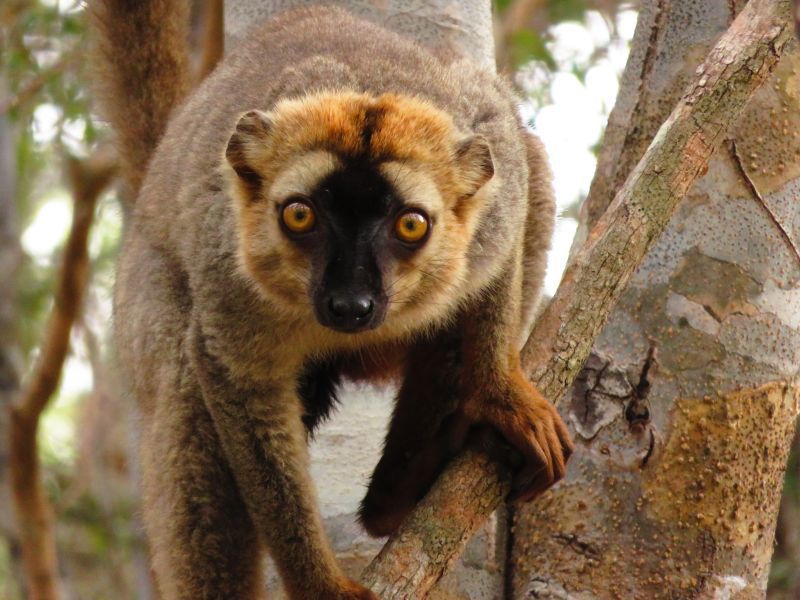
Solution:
(416, 446)
(467, 375)
(264, 440)
(497, 393)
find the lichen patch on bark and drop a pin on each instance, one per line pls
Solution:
(691, 524)
(730, 488)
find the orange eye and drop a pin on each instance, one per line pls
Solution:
(411, 227)
(298, 217)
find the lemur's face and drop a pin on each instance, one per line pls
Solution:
(359, 208)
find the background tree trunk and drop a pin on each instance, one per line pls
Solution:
(34, 511)
(462, 28)
(684, 413)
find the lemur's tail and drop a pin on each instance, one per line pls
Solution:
(143, 59)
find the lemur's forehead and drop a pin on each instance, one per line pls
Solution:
(364, 127)
(303, 174)
(414, 186)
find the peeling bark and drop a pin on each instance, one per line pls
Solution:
(699, 518)
(718, 296)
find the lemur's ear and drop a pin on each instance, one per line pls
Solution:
(246, 146)
(474, 158)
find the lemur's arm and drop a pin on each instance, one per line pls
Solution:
(262, 435)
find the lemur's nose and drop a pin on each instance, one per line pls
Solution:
(351, 307)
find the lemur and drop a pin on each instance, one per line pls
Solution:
(332, 202)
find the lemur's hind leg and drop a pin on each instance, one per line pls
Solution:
(416, 447)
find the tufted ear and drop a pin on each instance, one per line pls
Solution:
(245, 146)
(474, 159)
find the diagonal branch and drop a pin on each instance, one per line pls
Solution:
(88, 179)
(415, 558)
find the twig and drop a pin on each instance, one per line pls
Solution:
(563, 336)
(31, 87)
(517, 16)
(34, 514)
(737, 158)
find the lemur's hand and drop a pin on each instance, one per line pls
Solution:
(528, 422)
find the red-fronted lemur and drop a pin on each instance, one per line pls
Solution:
(333, 202)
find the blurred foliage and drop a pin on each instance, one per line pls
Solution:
(528, 45)
(530, 41)
(45, 95)
(41, 47)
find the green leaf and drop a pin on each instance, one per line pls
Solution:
(566, 10)
(527, 45)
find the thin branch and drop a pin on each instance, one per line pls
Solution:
(32, 87)
(737, 158)
(34, 514)
(563, 336)
(518, 16)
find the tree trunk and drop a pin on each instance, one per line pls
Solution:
(448, 28)
(684, 413)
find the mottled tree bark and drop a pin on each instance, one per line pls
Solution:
(684, 413)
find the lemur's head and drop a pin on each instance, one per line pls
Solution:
(361, 207)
